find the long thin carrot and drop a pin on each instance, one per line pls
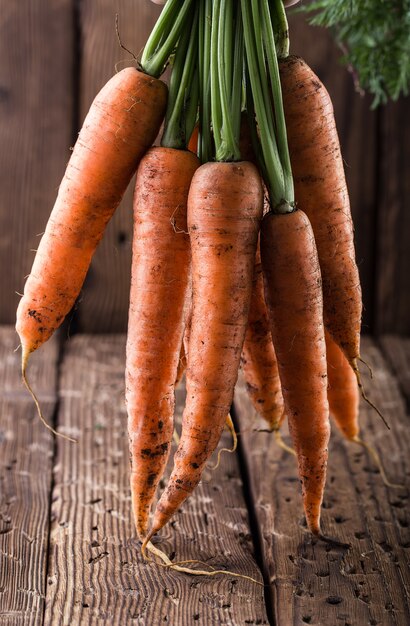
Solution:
(294, 298)
(320, 189)
(258, 359)
(121, 124)
(160, 282)
(159, 286)
(224, 209)
(342, 393)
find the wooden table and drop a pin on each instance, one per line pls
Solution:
(68, 550)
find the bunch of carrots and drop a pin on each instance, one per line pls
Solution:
(242, 250)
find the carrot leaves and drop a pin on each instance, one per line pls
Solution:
(375, 40)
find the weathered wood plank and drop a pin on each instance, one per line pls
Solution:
(396, 350)
(36, 104)
(357, 127)
(313, 583)
(96, 573)
(104, 302)
(392, 301)
(26, 450)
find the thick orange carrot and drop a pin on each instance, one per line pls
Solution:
(159, 289)
(342, 393)
(224, 209)
(294, 299)
(121, 124)
(320, 190)
(258, 359)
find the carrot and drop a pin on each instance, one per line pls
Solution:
(320, 189)
(294, 299)
(343, 399)
(159, 289)
(342, 391)
(121, 124)
(258, 359)
(193, 141)
(224, 209)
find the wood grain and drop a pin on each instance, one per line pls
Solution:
(357, 128)
(103, 305)
(96, 573)
(314, 582)
(392, 267)
(396, 350)
(36, 109)
(26, 451)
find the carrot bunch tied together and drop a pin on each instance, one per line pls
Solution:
(214, 283)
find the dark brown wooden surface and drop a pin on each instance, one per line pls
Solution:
(36, 123)
(313, 582)
(68, 552)
(392, 266)
(96, 573)
(26, 461)
(397, 351)
(53, 59)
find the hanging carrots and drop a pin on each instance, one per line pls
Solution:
(160, 285)
(260, 121)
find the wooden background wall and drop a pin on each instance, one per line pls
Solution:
(55, 56)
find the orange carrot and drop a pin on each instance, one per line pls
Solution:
(159, 290)
(121, 124)
(193, 142)
(343, 396)
(224, 209)
(320, 189)
(294, 299)
(342, 393)
(258, 359)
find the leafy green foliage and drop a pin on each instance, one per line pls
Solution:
(375, 38)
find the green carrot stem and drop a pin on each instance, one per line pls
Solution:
(281, 28)
(250, 110)
(216, 111)
(226, 142)
(256, 66)
(280, 123)
(191, 112)
(205, 143)
(180, 87)
(164, 36)
(237, 79)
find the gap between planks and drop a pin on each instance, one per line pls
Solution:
(95, 569)
(314, 583)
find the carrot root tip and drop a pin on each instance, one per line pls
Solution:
(355, 368)
(24, 360)
(230, 426)
(179, 567)
(282, 444)
(378, 462)
(369, 367)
